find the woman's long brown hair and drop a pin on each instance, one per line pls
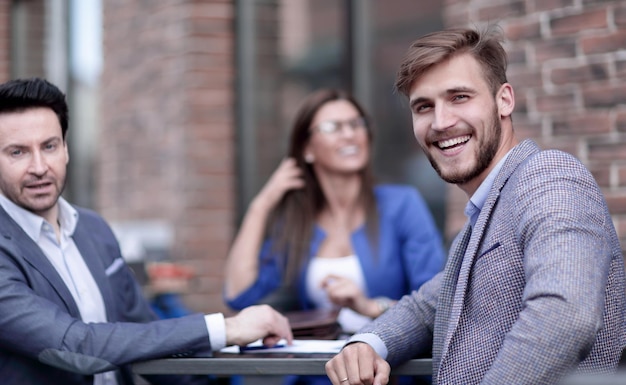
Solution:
(292, 222)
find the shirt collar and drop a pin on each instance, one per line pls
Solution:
(477, 200)
(32, 223)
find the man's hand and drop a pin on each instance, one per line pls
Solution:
(358, 363)
(256, 322)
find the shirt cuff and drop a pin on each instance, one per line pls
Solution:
(372, 340)
(216, 327)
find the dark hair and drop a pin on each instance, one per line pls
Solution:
(292, 222)
(22, 94)
(433, 48)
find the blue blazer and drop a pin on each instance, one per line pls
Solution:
(535, 291)
(42, 337)
(409, 251)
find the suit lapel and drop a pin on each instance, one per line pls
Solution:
(30, 252)
(455, 278)
(95, 263)
(466, 256)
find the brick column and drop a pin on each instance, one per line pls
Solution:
(166, 148)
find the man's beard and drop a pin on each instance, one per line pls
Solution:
(33, 204)
(486, 151)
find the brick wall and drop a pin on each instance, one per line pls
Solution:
(568, 69)
(166, 147)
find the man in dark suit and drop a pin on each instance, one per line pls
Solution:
(72, 312)
(534, 284)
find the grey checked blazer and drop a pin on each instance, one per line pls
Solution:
(532, 293)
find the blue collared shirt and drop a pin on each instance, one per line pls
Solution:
(477, 201)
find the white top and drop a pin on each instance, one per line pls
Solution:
(348, 267)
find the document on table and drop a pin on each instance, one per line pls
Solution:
(298, 346)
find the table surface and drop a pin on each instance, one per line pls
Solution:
(261, 364)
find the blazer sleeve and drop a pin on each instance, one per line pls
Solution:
(411, 319)
(41, 329)
(561, 220)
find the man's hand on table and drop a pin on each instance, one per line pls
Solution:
(358, 363)
(257, 322)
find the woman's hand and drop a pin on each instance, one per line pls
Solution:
(344, 292)
(286, 177)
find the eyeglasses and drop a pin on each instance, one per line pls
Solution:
(332, 127)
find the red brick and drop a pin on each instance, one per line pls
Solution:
(619, 15)
(524, 128)
(571, 24)
(604, 95)
(620, 121)
(620, 69)
(556, 103)
(521, 102)
(568, 144)
(580, 73)
(621, 176)
(560, 48)
(616, 203)
(516, 54)
(609, 42)
(582, 124)
(523, 30)
(602, 174)
(511, 8)
(549, 5)
(607, 152)
(524, 76)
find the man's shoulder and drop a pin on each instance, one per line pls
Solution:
(530, 160)
(86, 215)
(91, 220)
(555, 161)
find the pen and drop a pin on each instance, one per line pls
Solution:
(259, 347)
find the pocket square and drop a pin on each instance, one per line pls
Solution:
(115, 266)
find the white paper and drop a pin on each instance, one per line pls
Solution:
(298, 346)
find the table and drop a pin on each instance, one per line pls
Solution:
(265, 368)
(261, 365)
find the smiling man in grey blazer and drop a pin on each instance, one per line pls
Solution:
(533, 289)
(71, 311)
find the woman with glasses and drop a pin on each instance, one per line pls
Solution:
(322, 227)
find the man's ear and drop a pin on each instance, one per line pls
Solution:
(67, 152)
(505, 99)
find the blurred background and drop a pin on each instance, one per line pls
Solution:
(180, 108)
